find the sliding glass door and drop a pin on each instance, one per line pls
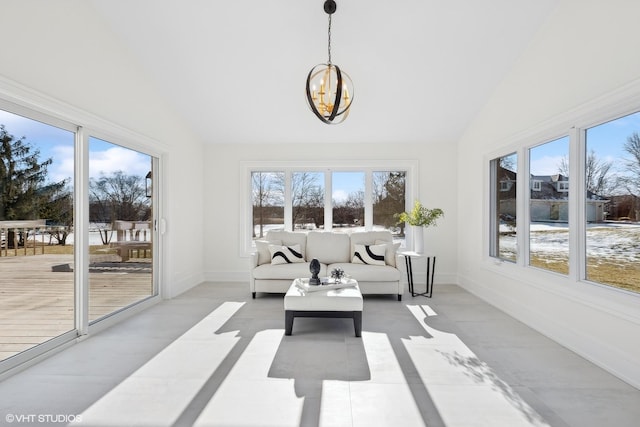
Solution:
(121, 228)
(37, 293)
(77, 231)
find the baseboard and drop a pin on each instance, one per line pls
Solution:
(227, 276)
(607, 357)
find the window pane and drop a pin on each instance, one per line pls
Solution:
(120, 231)
(549, 206)
(348, 200)
(613, 203)
(36, 233)
(268, 202)
(307, 192)
(388, 199)
(504, 173)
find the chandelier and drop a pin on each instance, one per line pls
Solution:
(329, 89)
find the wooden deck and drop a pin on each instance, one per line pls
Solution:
(37, 304)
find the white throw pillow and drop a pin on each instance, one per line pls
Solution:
(390, 253)
(285, 254)
(262, 247)
(369, 254)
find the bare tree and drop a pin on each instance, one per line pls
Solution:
(267, 192)
(307, 198)
(632, 180)
(117, 197)
(598, 176)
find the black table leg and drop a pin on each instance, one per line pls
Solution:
(431, 269)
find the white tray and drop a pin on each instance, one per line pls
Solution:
(326, 284)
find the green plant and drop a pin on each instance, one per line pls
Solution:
(420, 216)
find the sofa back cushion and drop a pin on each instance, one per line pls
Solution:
(328, 247)
(262, 247)
(289, 238)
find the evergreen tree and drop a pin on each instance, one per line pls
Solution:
(23, 192)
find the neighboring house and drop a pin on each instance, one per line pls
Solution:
(549, 198)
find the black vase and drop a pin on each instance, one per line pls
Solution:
(314, 268)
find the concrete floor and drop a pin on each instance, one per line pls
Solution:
(215, 357)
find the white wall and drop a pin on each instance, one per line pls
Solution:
(59, 58)
(437, 185)
(582, 61)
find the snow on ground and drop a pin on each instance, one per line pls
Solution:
(615, 241)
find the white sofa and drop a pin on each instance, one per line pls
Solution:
(333, 250)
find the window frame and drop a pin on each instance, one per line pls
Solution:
(573, 124)
(247, 246)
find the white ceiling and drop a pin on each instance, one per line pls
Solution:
(236, 70)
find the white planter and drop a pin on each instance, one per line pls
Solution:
(418, 239)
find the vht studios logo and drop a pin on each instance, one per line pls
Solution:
(43, 418)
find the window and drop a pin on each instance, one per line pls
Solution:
(506, 185)
(503, 207)
(612, 203)
(549, 206)
(591, 235)
(267, 196)
(346, 199)
(388, 198)
(307, 198)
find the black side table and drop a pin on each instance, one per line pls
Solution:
(431, 269)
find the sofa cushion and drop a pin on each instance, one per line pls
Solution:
(328, 247)
(390, 253)
(262, 247)
(368, 273)
(286, 271)
(289, 238)
(369, 254)
(281, 254)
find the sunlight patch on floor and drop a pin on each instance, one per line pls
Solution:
(463, 388)
(159, 391)
(248, 396)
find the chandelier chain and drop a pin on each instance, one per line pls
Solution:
(329, 41)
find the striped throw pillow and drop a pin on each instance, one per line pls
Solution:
(285, 254)
(369, 254)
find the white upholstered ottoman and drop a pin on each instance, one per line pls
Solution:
(337, 302)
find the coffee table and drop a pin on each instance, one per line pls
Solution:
(340, 302)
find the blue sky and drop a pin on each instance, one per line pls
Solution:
(58, 144)
(345, 183)
(607, 140)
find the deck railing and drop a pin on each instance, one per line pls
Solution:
(10, 232)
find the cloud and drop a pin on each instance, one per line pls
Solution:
(62, 166)
(340, 196)
(546, 165)
(115, 159)
(104, 162)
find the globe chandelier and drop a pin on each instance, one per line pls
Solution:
(329, 89)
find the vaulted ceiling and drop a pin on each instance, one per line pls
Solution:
(236, 70)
